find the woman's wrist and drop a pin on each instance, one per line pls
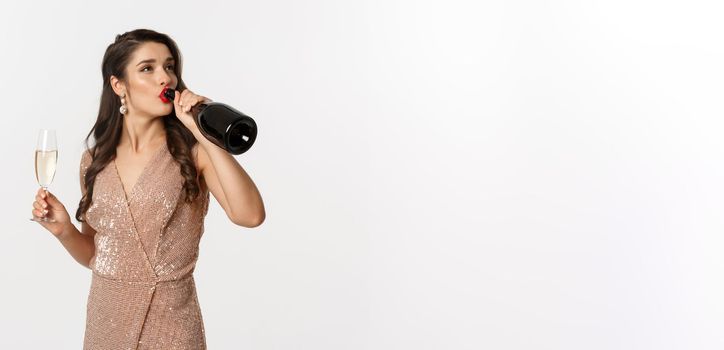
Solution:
(69, 230)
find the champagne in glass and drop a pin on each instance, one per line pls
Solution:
(46, 157)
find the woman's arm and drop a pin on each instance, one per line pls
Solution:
(80, 245)
(230, 184)
(226, 179)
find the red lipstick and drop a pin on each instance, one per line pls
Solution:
(162, 95)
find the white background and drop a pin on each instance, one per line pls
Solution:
(436, 174)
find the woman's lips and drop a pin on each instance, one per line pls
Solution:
(162, 95)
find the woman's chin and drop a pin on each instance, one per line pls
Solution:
(167, 109)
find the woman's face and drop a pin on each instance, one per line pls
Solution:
(150, 69)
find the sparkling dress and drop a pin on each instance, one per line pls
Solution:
(142, 293)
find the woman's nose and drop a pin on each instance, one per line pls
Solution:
(164, 78)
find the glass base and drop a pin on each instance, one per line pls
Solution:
(42, 219)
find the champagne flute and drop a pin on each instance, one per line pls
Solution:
(46, 157)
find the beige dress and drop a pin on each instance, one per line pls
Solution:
(142, 293)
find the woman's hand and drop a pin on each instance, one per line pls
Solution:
(47, 205)
(183, 101)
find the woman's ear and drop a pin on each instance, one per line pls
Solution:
(117, 86)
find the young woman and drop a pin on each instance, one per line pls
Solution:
(145, 187)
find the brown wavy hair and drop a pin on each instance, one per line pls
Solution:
(107, 130)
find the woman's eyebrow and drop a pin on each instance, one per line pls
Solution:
(152, 60)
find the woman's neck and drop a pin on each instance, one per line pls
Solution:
(140, 134)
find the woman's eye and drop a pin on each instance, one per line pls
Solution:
(170, 66)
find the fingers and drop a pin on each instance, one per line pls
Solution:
(40, 206)
(47, 205)
(52, 200)
(180, 101)
(181, 97)
(196, 100)
(40, 198)
(188, 99)
(47, 200)
(177, 100)
(38, 211)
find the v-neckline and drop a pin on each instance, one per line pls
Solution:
(140, 176)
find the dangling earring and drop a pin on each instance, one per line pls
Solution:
(123, 108)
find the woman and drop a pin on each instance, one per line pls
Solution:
(145, 192)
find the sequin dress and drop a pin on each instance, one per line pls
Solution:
(142, 293)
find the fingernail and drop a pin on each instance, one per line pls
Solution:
(45, 205)
(45, 212)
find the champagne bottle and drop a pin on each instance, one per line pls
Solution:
(221, 124)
